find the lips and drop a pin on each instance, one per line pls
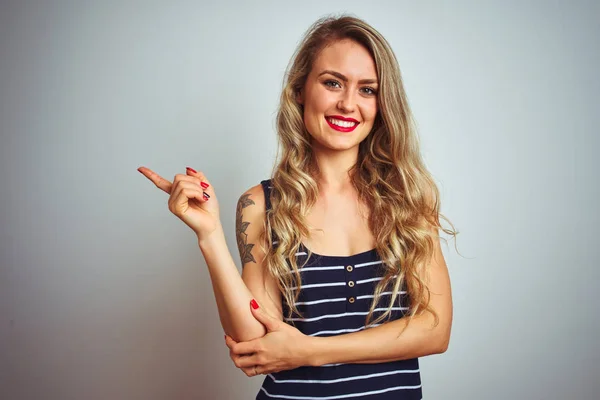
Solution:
(343, 118)
(341, 124)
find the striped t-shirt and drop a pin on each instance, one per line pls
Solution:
(335, 298)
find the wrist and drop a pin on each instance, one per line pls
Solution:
(311, 353)
(212, 239)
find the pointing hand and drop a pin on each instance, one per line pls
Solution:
(191, 198)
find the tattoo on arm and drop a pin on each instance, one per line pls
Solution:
(244, 247)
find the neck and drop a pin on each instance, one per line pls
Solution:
(334, 166)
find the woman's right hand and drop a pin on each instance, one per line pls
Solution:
(187, 200)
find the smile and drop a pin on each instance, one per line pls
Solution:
(342, 125)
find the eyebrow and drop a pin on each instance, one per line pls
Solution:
(343, 78)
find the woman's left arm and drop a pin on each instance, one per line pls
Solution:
(385, 343)
(284, 347)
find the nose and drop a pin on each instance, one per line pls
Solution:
(347, 102)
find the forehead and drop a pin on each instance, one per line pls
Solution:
(347, 57)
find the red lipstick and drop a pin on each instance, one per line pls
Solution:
(341, 128)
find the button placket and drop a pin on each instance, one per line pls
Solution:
(351, 299)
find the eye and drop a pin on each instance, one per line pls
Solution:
(369, 90)
(332, 84)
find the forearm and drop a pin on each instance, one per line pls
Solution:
(231, 294)
(391, 341)
(382, 343)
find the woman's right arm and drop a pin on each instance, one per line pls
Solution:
(232, 291)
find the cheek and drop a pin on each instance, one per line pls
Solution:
(318, 104)
(320, 100)
(371, 111)
(313, 113)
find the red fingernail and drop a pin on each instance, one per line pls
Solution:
(206, 196)
(225, 336)
(191, 169)
(254, 304)
(204, 185)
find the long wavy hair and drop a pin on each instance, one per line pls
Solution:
(389, 176)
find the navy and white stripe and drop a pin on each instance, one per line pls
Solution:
(335, 298)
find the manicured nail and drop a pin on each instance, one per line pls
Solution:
(225, 336)
(191, 169)
(254, 304)
(206, 196)
(204, 185)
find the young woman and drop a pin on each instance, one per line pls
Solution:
(343, 285)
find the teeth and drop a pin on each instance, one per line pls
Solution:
(343, 124)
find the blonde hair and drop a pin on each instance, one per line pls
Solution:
(389, 175)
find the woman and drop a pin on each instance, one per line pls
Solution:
(343, 283)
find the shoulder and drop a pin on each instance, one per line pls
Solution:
(251, 208)
(252, 201)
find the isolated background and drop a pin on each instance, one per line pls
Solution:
(105, 295)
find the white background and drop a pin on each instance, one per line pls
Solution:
(105, 295)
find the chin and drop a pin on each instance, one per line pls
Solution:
(338, 145)
(336, 142)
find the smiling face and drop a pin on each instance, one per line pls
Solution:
(340, 96)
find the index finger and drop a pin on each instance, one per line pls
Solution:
(242, 348)
(158, 180)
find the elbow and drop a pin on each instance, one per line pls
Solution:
(437, 346)
(442, 346)
(442, 341)
(245, 335)
(440, 337)
(250, 330)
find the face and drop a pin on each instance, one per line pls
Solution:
(340, 96)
